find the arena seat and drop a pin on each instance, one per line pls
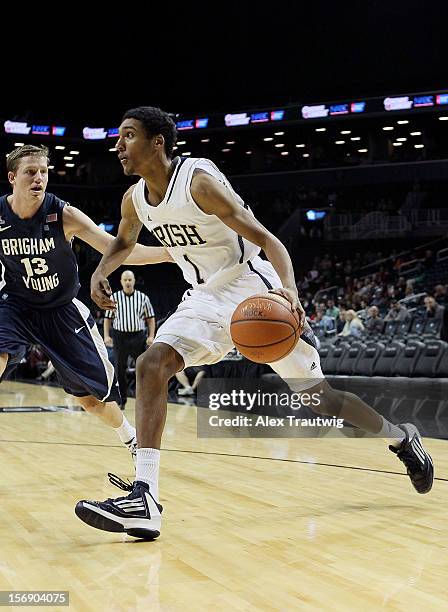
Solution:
(417, 326)
(334, 356)
(441, 369)
(385, 364)
(402, 329)
(405, 365)
(366, 362)
(324, 351)
(433, 328)
(429, 358)
(390, 328)
(350, 357)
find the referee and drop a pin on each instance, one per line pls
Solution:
(133, 311)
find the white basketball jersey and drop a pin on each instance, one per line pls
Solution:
(208, 252)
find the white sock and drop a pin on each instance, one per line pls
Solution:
(147, 470)
(126, 431)
(394, 434)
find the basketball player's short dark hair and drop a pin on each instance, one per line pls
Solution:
(13, 159)
(155, 121)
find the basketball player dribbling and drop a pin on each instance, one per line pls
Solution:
(190, 206)
(39, 283)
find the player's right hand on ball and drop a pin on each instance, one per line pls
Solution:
(100, 292)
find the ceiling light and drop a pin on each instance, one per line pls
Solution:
(403, 122)
(339, 142)
(70, 165)
(248, 152)
(285, 153)
(69, 157)
(51, 167)
(419, 146)
(401, 139)
(268, 139)
(74, 152)
(346, 132)
(321, 129)
(114, 150)
(387, 128)
(397, 144)
(225, 150)
(60, 147)
(355, 138)
(205, 140)
(443, 118)
(181, 142)
(300, 146)
(416, 133)
(186, 153)
(280, 144)
(306, 155)
(19, 144)
(362, 150)
(230, 142)
(278, 133)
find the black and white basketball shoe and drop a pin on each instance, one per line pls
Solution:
(418, 462)
(138, 514)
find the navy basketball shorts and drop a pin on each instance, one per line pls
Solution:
(70, 338)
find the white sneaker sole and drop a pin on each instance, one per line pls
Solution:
(148, 529)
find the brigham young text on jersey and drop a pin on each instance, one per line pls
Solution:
(37, 263)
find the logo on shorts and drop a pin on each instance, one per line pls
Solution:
(313, 366)
(79, 329)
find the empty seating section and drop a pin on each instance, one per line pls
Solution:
(408, 349)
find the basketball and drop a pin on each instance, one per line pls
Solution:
(264, 328)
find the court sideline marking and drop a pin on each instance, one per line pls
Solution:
(194, 452)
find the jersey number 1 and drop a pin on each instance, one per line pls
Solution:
(199, 280)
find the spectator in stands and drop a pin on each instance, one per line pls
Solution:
(374, 323)
(430, 259)
(353, 325)
(400, 289)
(397, 312)
(340, 321)
(332, 310)
(441, 294)
(322, 323)
(433, 309)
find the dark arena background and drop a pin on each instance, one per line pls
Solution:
(332, 125)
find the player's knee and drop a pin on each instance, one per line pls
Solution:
(160, 362)
(330, 401)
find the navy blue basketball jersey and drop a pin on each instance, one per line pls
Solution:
(37, 265)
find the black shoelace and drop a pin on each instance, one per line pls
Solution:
(120, 483)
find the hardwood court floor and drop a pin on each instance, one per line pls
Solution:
(249, 524)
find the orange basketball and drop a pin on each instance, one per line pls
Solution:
(264, 328)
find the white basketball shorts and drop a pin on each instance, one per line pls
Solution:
(199, 330)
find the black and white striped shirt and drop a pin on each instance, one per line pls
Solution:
(132, 311)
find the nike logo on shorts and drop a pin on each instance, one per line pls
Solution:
(2, 229)
(79, 329)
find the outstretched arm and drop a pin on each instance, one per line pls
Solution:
(77, 223)
(116, 253)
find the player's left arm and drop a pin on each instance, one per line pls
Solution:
(77, 223)
(213, 198)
